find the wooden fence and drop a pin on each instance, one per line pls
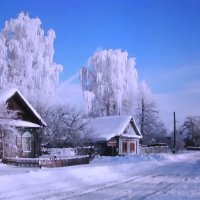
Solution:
(154, 149)
(61, 162)
(46, 162)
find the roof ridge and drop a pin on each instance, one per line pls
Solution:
(7, 93)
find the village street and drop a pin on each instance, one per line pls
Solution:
(164, 176)
(174, 180)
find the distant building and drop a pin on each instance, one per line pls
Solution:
(115, 135)
(29, 124)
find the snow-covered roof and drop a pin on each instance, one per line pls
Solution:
(21, 123)
(107, 127)
(7, 93)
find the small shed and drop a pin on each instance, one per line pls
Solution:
(28, 125)
(115, 135)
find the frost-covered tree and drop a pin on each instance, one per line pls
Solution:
(7, 132)
(26, 56)
(65, 125)
(147, 115)
(191, 130)
(109, 82)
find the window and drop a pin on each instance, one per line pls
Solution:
(26, 142)
(132, 147)
(124, 147)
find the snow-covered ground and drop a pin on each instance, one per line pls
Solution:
(158, 176)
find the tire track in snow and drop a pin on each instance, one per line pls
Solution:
(139, 190)
(85, 193)
(50, 194)
(90, 194)
(150, 195)
(82, 191)
(147, 184)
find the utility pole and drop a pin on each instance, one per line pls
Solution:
(142, 115)
(174, 149)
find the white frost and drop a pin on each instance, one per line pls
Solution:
(112, 77)
(26, 57)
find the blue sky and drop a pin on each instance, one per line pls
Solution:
(163, 35)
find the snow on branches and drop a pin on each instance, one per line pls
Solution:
(26, 56)
(110, 83)
(65, 125)
(7, 132)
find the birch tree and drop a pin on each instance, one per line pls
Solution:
(26, 57)
(109, 82)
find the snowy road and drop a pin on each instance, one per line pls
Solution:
(139, 177)
(166, 182)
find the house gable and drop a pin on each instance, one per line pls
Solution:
(17, 102)
(129, 130)
(136, 129)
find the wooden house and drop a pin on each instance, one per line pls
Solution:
(115, 135)
(22, 138)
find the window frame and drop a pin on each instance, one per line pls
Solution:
(132, 147)
(124, 147)
(26, 142)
